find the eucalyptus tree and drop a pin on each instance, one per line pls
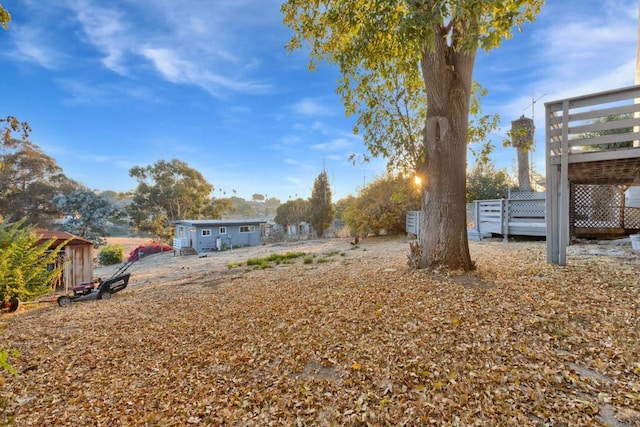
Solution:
(29, 178)
(168, 191)
(383, 47)
(87, 214)
(293, 212)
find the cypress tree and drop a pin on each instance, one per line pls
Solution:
(320, 207)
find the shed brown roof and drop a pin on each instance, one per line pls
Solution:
(60, 237)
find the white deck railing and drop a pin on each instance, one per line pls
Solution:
(515, 216)
(180, 242)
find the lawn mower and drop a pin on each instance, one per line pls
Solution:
(99, 289)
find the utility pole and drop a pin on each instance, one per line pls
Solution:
(533, 113)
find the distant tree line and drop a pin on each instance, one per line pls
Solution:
(34, 189)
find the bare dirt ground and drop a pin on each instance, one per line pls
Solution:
(167, 267)
(352, 338)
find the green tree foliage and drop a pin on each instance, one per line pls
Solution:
(347, 211)
(26, 270)
(390, 116)
(270, 205)
(111, 254)
(4, 360)
(114, 196)
(606, 123)
(292, 213)
(222, 206)
(391, 45)
(320, 206)
(242, 207)
(87, 214)
(28, 177)
(484, 182)
(5, 18)
(381, 206)
(168, 191)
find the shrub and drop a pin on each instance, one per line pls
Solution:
(145, 250)
(111, 254)
(265, 262)
(232, 265)
(258, 263)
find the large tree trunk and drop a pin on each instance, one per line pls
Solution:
(443, 236)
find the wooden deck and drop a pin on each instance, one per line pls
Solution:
(522, 214)
(591, 139)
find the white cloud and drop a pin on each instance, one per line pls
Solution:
(106, 29)
(168, 64)
(176, 69)
(334, 145)
(80, 92)
(573, 48)
(209, 46)
(311, 107)
(31, 46)
(581, 46)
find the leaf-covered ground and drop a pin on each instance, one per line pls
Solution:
(354, 340)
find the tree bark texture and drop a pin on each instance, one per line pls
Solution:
(443, 237)
(524, 179)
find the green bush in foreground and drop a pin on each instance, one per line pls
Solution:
(25, 267)
(25, 270)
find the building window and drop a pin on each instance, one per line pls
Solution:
(180, 231)
(247, 228)
(223, 230)
(206, 232)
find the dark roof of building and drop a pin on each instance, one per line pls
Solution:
(60, 237)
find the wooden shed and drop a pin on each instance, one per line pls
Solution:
(78, 252)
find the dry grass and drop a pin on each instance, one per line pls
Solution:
(357, 339)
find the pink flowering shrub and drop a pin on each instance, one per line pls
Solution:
(147, 249)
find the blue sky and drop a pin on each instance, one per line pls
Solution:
(111, 85)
